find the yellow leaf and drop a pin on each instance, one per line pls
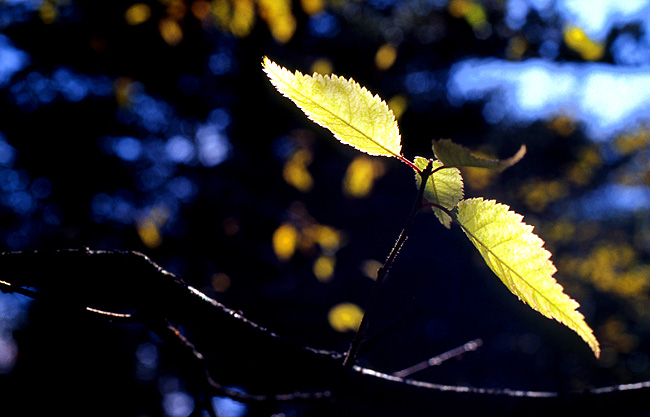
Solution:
(444, 187)
(517, 256)
(349, 111)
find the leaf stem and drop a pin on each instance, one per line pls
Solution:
(409, 163)
(359, 337)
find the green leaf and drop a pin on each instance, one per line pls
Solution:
(444, 187)
(517, 256)
(454, 155)
(355, 116)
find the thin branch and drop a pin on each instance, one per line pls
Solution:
(169, 331)
(240, 347)
(351, 355)
(438, 359)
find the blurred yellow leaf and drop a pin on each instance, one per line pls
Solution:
(312, 6)
(285, 240)
(576, 39)
(322, 66)
(201, 9)
(220, 282)
(149, 234)
(277, 15)
(170, 31)
(345, 317)
(369, 267)
(149, 227)
(398, 104)
(324, 267)
(295, 170)
(47, 12)
(385, 56)
(137, 13)
(176, 9)
(361, 175)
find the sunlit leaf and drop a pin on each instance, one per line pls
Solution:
(444, 187)
(349, 111)
(454, 155)
(517, 256)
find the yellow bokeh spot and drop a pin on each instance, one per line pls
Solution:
(48, 13)
(478, 178)
(123, 88)
(312, 6)
(285, 241)
(563, 125)
(615, 334)
(322, 66)
(538, 194)
(361, 175)
(370, 267)
(295, 170)
(582, 171)
(149, 227)
(149, 234)
(576, 39)
(398, 105)
(517, 46)
(328, 238)
(345, 317)
(177, 9)
(137, 13)
(324, 267)
(170, 31)
(632, 142)
(220, 282)
(201, 9)
(385, 56)
(238, 17)
(470, 10)
(277, 15)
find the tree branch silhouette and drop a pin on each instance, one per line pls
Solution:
(228, 350)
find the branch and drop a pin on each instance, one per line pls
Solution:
(269, 368)
(360, 335)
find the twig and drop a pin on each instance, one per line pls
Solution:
(351, 355)
(437, 360)
(170, 331)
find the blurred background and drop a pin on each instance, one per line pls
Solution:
(150, 126)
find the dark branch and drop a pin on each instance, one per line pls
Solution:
(229, 350)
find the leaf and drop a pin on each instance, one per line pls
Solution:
(444, 187)
(349, 111)
(454, 155)
(517, 256)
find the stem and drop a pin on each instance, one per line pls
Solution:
(409, 163)
(359, 337)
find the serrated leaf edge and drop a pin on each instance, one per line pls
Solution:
(580, 327)
(269, 67)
